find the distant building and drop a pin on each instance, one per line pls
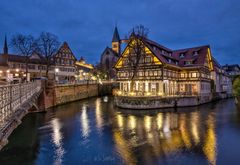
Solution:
(84, 70)
(13, 66)
(110, 55)
(233, 70)
(65, 63)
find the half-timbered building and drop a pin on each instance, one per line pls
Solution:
(160, 71)
(65, 63)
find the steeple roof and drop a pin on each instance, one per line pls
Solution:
(116, 37)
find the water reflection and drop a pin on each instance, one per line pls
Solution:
(98, 115)
(162, 134)
(93, 131)
(57, 140)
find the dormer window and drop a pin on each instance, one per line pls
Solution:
(169, 60)
(170, 54)
(154, 48)
(182, 55)
(195, 53)
(163, 52)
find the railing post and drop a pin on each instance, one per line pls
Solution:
(20, 93)
(10, 88)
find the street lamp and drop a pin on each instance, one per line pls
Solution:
(56, 74)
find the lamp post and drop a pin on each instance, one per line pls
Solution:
(56, 74)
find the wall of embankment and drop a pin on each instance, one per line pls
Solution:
(62, 94)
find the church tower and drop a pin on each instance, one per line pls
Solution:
(5, 47)
(116, 42)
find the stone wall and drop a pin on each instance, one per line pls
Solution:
(159, 102)
(61, 94)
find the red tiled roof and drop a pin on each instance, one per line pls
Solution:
(22, 59)
(198, 59)
(174, 55)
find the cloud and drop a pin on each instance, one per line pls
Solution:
(88, 25)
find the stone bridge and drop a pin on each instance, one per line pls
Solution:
(15, 102)
(19, 99)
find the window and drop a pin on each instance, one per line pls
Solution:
(163, 52)
(182, 75)
(148, 59)
(169, 60)
(155, 73)
(150, 73)
(187, 62)
(146, 73)
(182, 55)
(195, 53)
(194, 74)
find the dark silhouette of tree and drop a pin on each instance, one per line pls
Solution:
(25, 45)
(47, 46)
(137, 53)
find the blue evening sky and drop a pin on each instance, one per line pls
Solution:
(88, 25)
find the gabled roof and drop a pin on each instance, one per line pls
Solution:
(65, 46)
(109, 50)
(198, 59)
(230, 68)
(197, 55)
(116, 37)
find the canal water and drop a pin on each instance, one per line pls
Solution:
(95, 132)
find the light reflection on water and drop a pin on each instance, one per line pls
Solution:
(95, 132)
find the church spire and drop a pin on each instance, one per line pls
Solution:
(116, 42)
(116, 37)
(5, 48)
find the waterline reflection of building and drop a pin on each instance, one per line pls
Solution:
(57, 139)
(162, 134)
(84, 122)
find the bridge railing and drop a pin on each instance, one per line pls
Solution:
(12, 96)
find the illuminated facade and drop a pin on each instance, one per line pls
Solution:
(65, 62)
(84, 70)
(165, 72)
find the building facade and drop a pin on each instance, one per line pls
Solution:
(65, 61)
(155, 70)
(63, 68)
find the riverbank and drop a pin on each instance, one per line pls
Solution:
(155, 102)
(63, 94)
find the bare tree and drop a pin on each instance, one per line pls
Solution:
(25, 45)
(137, 52)
(47, 46)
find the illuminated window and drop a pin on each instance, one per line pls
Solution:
(150, 73)
(148, 59)
(187, 62)
(155, 73)
(146, 73)
(182, 75)
(159, 73)
(194, 74)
